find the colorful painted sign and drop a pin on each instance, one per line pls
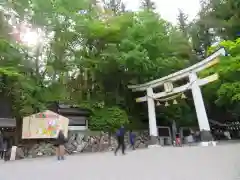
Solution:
(44, 125)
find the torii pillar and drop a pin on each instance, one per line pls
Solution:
(203, 122)
(153, 130)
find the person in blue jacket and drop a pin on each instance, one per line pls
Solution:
(120, 139)
(132, 139)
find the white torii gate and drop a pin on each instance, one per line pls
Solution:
(194, 84)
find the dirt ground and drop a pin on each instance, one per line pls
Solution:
(161, 163)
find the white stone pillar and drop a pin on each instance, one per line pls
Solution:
(200, 108)
(13, 153)
(153, 130)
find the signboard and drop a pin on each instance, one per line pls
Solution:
(168, 87)
(44, 125)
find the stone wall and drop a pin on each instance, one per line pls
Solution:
(80, 142)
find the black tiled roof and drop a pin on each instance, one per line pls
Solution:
(7, 122)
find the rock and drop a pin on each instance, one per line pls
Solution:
(19, 153)
(42, 149)
(78, 142)
(39, 154)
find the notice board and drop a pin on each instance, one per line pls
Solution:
(44, 125)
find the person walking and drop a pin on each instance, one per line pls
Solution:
(60, 145)
(4, 148)
(120, 140)
(132, 139)
(1, 145)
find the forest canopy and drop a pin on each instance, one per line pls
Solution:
(85, 54)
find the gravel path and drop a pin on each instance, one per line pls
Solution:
(168, 163)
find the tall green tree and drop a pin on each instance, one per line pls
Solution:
(225, 92)
(148, 5)
(225, 16)
(202, 34)
(183, 23)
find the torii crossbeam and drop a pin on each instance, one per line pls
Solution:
(194, 85)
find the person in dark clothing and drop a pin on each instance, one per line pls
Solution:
(60, 145)
(4, 148)
(132, 139)
(120, 139)
(1, 145)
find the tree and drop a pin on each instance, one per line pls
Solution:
(202, 32)
(225, 16)
(116, 6)
(108, 119)
(226, 92)
(148, 5)
(182, 23)
(91, 54)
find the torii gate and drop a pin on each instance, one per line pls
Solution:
(194, 84)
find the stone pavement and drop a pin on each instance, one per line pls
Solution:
(167, 163)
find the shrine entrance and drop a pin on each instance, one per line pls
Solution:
(170, 92)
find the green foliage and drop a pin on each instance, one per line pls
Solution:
(226, 91)
(148, 5)
(89, 56)
(108, 119)
(225, 17)
(9, 71)
(183, 113)
(118, 48)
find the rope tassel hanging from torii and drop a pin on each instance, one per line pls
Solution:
(166, 104)
(158, 103)
(181, 95)
(175, 101)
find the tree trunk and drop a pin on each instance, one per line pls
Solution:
(18, 133)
